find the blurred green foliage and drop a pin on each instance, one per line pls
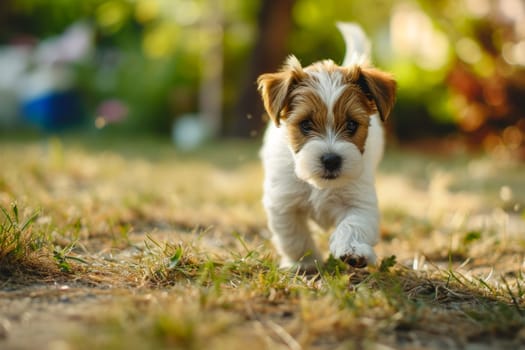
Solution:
(459, 64)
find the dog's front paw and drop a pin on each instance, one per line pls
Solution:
(345, 247)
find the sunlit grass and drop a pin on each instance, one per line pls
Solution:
(17, 241)
(153, 248)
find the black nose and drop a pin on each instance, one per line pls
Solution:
(331, 161)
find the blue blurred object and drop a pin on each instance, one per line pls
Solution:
(54, 110)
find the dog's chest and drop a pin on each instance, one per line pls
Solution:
(327, 206)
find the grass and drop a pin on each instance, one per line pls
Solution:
(16, 240)
(113, 244)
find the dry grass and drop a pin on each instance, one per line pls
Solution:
(116, 245)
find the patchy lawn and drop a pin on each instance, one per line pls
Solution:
(119, 244)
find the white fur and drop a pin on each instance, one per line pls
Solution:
(347, 203)
(309, 168)
(329, 86)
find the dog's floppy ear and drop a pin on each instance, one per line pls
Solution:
(275, 88)
(379, 87)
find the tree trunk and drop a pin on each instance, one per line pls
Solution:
(275, 23)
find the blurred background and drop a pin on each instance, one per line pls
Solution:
(186, 69)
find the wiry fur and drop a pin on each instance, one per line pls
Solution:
(298, 184)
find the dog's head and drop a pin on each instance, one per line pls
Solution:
(326, 110)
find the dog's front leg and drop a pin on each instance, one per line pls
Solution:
(293, 239)
(355, 235)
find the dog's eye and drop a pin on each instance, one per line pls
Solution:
(306, 126)
(351, 126)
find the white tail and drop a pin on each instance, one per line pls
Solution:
(357, 44)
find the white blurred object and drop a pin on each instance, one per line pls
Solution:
(27, 73)
(44, 79)
(414, 37)
(74, 45)
(13, 63)
(189, 132)
(52, 58)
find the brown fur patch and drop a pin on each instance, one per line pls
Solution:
(305, 104)
(379, 87)
(275, 88)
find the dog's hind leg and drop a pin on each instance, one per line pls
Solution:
(293, 240)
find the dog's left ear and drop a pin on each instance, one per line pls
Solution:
(379, 87)
(275, 88)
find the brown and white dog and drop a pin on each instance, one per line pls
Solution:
(321, 151)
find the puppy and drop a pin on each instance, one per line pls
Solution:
(320, 153)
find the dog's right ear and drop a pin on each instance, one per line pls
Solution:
(275, 88)
(379, 87)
